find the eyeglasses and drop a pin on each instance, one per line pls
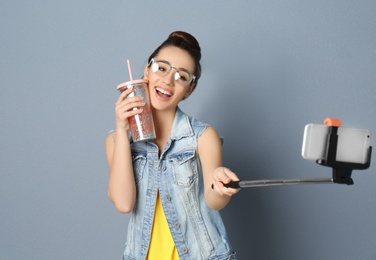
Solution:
(182, 76)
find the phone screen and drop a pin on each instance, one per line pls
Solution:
(353, 144)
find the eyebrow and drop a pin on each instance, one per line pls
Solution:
(180, 68)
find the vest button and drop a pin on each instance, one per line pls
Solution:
(177, 225)
(164, 168)
(168, 197)
(185, 250)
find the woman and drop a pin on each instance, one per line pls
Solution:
(173, 186)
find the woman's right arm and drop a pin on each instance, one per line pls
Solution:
(121, 184)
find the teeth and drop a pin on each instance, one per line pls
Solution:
(164, 91)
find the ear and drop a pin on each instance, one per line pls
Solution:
(190, 89)
(146, 71)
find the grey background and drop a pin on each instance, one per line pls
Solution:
(269, 68)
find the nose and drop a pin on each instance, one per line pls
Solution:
(170, 78)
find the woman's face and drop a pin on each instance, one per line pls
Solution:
(166, 92)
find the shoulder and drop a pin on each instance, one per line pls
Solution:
(198, 126)
(204, 131)
(209, 136)
(197, 123)
(111, 136)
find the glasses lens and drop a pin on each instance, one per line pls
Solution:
(182, 77)
(160, 68)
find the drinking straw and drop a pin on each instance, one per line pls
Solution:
(130, 70)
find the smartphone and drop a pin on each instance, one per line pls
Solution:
(353, 144)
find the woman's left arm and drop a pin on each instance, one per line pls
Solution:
(215, 175)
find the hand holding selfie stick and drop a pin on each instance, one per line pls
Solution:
(341, 170)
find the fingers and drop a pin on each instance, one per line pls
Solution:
(223, 175)
(124, 94)
(127, 106)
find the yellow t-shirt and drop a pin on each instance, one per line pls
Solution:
(162, 245)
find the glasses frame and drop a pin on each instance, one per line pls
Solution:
(177, 76)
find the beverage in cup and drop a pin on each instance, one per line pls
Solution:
(141, 125)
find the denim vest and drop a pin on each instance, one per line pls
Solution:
(197, 230)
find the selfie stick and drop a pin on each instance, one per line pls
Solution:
(341, 170)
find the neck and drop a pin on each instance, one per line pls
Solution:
(163, 121)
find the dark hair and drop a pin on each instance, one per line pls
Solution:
(184, 41)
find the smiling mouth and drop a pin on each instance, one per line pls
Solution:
(163, 92)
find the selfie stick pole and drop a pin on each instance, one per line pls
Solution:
(266, 183)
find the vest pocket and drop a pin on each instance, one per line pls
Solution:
(184, 167)
(139, 162)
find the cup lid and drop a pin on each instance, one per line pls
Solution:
(132, 82)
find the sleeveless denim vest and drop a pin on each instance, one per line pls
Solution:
(197, 230)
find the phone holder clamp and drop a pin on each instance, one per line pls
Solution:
(341, 170)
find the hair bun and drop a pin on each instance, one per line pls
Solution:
(186, 38)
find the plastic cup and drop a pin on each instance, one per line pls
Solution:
(141, 125)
